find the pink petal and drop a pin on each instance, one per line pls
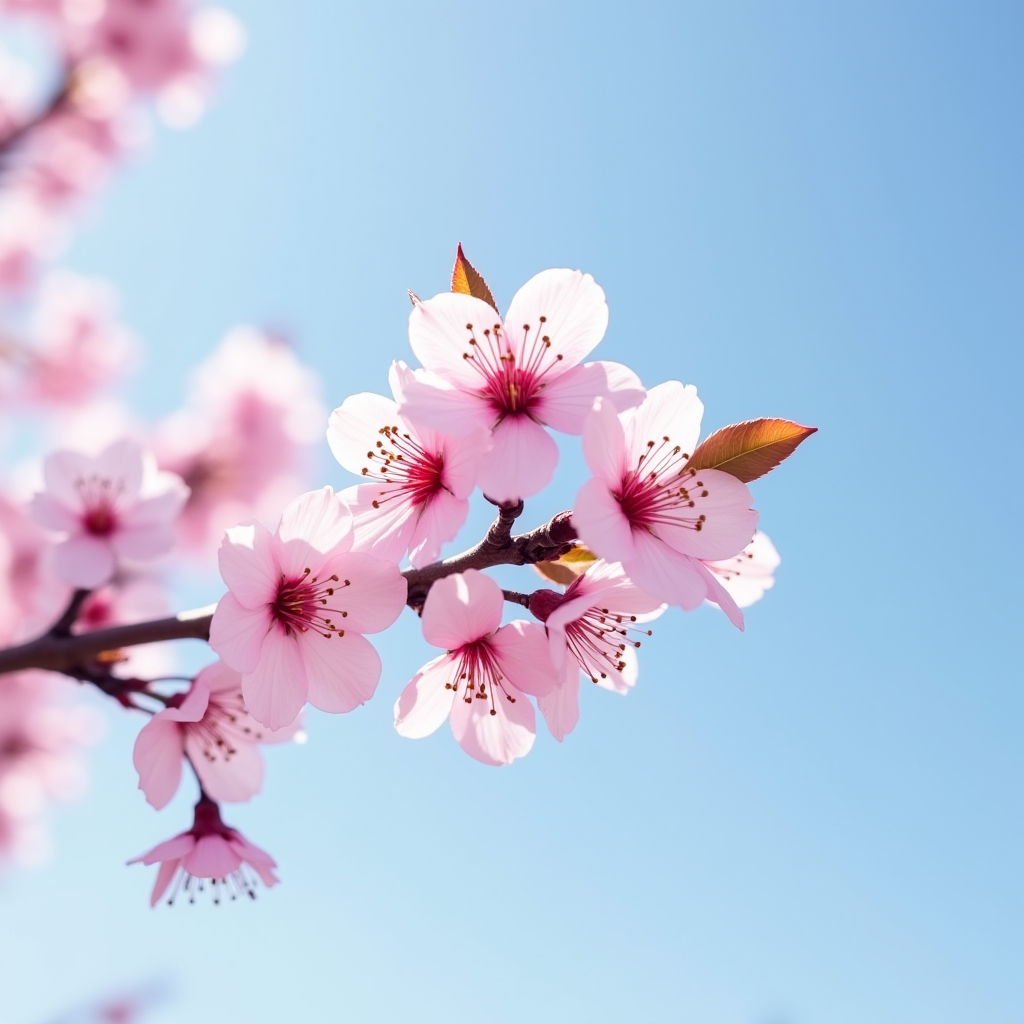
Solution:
(521, 650)
(168, 869)
(521, 462)
(462, 608)
(425, 703)
(729, 523)
(717, 594)
(463, 457)
(47, 511)
(575, 310)
(84, 561)
(61, 471)
(157, 758)
(561, 707)
(234, 779)
(604, 443)
(439, 335)
(445, 409)
(276, 688)
(566, 402)
(213, 857)
(617, 592)
(499, 738)
(383, 531)
(247, 564)
(122, 461)
(260, 861)
(159, 508)
(170, 849)
(601, 523)
(749, 574)
(375, 594)
(354, 428)
(665, 573)
(439, 521)
(237, 634)
(316, 521)
(670, 410)
(193, 707)
(343, 672)
(143, 543)
(219, 678)
(608, 677)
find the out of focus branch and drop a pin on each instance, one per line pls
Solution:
(17, 135)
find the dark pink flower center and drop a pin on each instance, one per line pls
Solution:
(478, 675)
(223, 727)
(99, 497)
(660, 490)
(303, 604)
(399, 459)
(598, 638)
(510, 383)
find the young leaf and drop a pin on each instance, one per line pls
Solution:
(749, 450)
(466, 280)
(565, 569)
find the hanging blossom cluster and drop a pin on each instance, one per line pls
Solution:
(661, 519)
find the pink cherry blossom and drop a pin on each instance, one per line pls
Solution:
(208, 850)
(515, 378)
(421, 479)
(480, 684)
(116, 505)
(209, 725)
(643, 508)
(298, 604)
(592, 628)
(749, 574)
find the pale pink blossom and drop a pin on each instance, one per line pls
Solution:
(480, 684)
(33, 596)
(208, 850)
(749, 574)
(592, 628)
(299, 602)
(421, 479)
(517, 377)
(210, 726)
(643, 508)
(241, 442)
(116, 505)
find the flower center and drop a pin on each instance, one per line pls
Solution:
(598, 639)
(302, 604)
(661, 490)
(511, 383)
(99, 497)
(238, 883)
(224, 726)
(477, 672)
(400, 460)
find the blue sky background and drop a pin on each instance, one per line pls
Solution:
(808, 210)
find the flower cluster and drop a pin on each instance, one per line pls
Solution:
(664, 520)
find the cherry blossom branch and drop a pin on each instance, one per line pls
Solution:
(10, 142)
(58, 650)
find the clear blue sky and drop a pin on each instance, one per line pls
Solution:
(807, 210)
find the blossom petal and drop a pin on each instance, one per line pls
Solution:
(439, 522)
(497, 738)
(171, 849)
(246, 564)
(157, 758)
(343, 672)
(462, 608)
(276, 688)
(383, 531)
(566, 402)
(463, 457)
(561, 707)
(521, 462)
(521, 650)
(260, 861)
(158, 508)
(426, 701)
(168, 869)
(212, 857)
(122, 461)
(670, 410)
(666, 573)
(429, 402)
(749, 574)
(62, 470)
(316, 521)
(717, 594)
(84, 561)
(143, 543)
(440, 331)
(237, 633)
(604, 443)
(574, 310)
(47, 511)
(234, 779)
(354, 427)
(371, 591)
(601, 523)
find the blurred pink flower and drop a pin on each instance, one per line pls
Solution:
(422, 479)
(591, 629)
(644, 509)
(297, 605)
(210, 726)
(746, 576)
(481, 682)
(208, 850)
(515, 378)
(115, 505)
